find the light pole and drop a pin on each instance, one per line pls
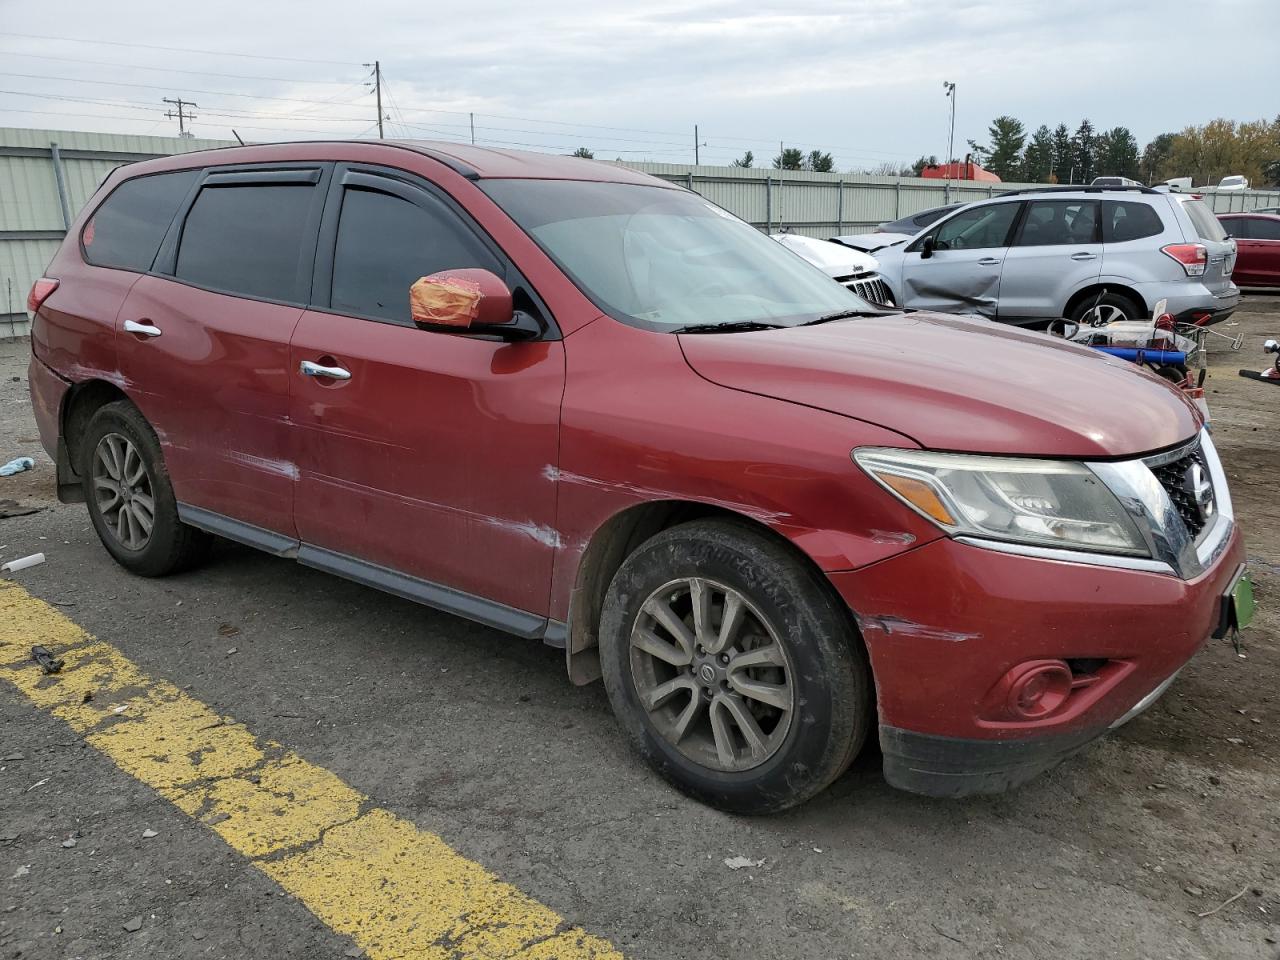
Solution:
(950, 89)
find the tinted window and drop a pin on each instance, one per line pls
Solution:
(977, 228)
(1264, 229)
(1129, 220)
(1238, 227)
(386, 243)
(1206, 224)
(246, 239)
(127, 229)
(1051, 223)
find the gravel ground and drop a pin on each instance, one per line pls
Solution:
(479, 738)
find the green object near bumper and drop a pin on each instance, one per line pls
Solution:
(1242, 600)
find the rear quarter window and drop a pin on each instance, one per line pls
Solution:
(126, 229)
(1202, 218)
(1129, 220)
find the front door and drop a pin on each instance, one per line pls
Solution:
(421, 452)
(204, 341)
(961, 271)
(1056, 251)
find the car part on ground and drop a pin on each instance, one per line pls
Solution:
(852, 269)
(1033, 256)
(600, 411)
(1270, 374)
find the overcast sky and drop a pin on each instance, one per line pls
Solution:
(862, 79)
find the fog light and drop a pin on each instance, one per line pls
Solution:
(1037, 689)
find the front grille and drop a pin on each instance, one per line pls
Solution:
(1179, 479)
(869, 287)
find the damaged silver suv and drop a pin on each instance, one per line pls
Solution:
(1086, 253)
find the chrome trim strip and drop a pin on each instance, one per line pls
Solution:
(1118, 561)
(1153, 513)
(1177, 453)
(1142, 705)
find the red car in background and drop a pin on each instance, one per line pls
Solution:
(1257, 238)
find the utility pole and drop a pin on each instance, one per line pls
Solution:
(473, 129)
(951, 137)
(377, 89)
(696, 155)
(181, 115)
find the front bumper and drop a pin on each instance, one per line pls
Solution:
(945, 622)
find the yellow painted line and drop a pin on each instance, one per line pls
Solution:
(398, 891)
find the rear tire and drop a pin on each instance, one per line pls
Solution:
(130, 498)
(753, 717)
(1109, 308)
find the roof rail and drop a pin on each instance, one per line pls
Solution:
(1081, 189)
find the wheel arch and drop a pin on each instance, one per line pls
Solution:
(81, 402)
(1094, 289)
(617, 538)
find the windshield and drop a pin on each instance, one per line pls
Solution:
(1203, 220)
(664, 259)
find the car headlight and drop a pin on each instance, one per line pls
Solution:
(1050, 503)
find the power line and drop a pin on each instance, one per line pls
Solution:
(201, 73)
(182, 118)
(152, 46)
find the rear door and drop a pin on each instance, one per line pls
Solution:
(204, 340)
(430, 454)
(1258, 246)
(962, 274)
(1057, 250)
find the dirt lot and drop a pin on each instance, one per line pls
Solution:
(478, 737)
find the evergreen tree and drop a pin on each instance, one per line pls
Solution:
(1062, 154)
(583, 152)
(1117, 152)
(744, 161)
(1037, 161)
(1084, 152)
(1156, 157)
(791, 158)
(917, 168)
(819, 162)
(1004, 156)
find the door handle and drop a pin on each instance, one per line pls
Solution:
(1084, 256)
(309, 369)
(142, 328)
(988, 261)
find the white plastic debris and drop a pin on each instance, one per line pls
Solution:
(13, 566)
(16, 466)
(739, 863)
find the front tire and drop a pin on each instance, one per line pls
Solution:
(130, 498)
(732, 668)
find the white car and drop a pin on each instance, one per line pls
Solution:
(851, 268)
(1236, 182)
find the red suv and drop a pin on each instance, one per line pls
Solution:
(589, 407)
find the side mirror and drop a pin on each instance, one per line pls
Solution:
(927, 247)
(461, 299)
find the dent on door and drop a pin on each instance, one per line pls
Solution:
(977, 289)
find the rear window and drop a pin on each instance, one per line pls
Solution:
(246, 239)
(1260, 229)
(1206, 224)
(1237, 227)
(1129, 220)
(126, 230)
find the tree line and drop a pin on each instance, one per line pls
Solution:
(1206, 153)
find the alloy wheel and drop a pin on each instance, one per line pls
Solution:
(1103, 314)
(712, 674)
(123, 491)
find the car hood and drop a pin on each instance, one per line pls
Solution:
(831, 258)
(954, 383)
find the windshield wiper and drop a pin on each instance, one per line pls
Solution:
(843, 315)
(737, 326)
